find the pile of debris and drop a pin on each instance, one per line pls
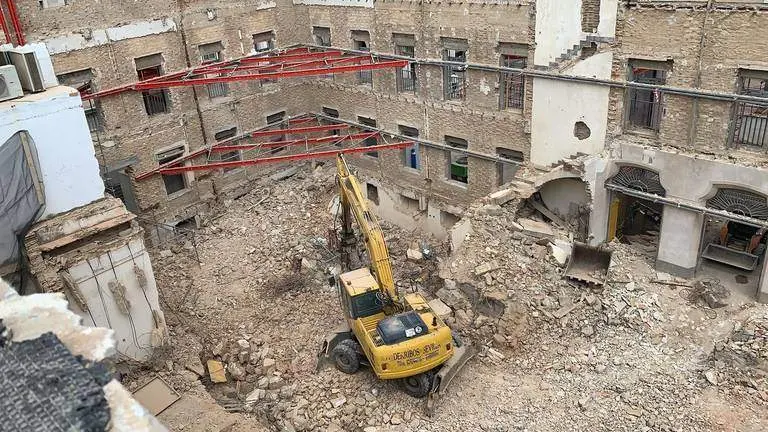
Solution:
(507, 277)
(740, 362)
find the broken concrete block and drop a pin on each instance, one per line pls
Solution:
(284, 174)
(268, 365)
(263, 382)
(414, 255)
(196, 366)
(560, 256)
(216, 371)
(452, 298)
(236, 371)
(711, 376)
(243, 345)
(338, 402)
(536, 228)
(275, 383)
(502, 197)
(490, 210)
(486, 267)
(439, 308)
(459, 232)
(255, 395)
(166, 253)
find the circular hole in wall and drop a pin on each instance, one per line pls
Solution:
(581, 130)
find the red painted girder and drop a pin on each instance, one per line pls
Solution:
(308, 141)
(286, 158)
(272, 75)
(306, 129)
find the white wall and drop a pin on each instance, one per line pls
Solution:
(56, 122)
(608, 11)
(558, 28)
(558, 105)
(133, 331)
(137, 29)
(558, 195)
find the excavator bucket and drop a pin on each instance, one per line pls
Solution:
(447, 372)
(732, 257)
(323, 356)
(588, 264)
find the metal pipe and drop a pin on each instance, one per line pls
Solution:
(704, 94)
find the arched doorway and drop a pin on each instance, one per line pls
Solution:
(634, 216)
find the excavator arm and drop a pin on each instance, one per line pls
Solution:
(354, 204)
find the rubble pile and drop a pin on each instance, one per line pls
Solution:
(507, 278)
(740, 362)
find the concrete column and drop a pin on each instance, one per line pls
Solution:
(679, 242)
(762, 287)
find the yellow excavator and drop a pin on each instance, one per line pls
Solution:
(399, 337)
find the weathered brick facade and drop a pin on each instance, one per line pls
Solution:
(705, 48)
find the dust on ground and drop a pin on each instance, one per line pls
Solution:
(635, 355)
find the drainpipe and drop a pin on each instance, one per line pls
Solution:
(697, 81)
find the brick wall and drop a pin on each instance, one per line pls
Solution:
(590, 15)
(727, 46)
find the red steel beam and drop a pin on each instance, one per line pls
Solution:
(320, 128)
(4, 25)
(199, 152)
(16, 23)
(308, 141)
(276, 159)
(266, 66)
(274, 75)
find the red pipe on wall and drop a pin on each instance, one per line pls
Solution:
(4, 25)
(16, 22)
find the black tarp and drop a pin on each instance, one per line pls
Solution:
(20, 203)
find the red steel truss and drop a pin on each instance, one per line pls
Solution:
(297, 128)
(292, 62)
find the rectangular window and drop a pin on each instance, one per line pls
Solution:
(276, 120)
(507, 170)
(211, 53)
(750, 125)
(361, 41)
(512, 84)
(263, 42)
(372, 192)
(228, 156)
(455, 76)
(155, 101)
(457, 161)
(646, 106)
(82, 81)
(330, 112)
(368, 142)
(410, 154)
(322, 36)
(173, 182)
(406, 77)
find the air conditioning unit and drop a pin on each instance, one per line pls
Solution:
(28, 69)
(10, 87)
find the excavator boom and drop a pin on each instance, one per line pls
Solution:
(352, 201)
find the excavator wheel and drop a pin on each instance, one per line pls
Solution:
(417, 386)
(345, 356)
